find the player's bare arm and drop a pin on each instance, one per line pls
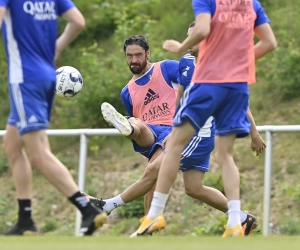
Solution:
(267, 41)
(76, 24)
(199, 32)
(257, 143)
(2, 13)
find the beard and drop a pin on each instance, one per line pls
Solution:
(139, 67)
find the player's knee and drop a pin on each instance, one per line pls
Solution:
(194, 191)
(11, 150)
(37, 160)
(140, 126)
(151, 172)
(219, 157)
(222, 158)
(190, 191)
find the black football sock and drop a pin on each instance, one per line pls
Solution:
(25, 211)
(83, 205)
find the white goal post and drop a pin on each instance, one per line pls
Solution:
(84, 133)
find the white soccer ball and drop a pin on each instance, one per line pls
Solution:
(69, 81)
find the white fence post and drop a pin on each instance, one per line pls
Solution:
(81, 176)
(267, 184)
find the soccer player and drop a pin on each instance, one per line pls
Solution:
(186, 69)
(30, 38)
(194, 160)
(219, 88)
(149, 98)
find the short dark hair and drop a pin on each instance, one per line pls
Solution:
(192, 24)
(137, 40)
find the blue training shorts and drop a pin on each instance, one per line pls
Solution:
(31, 105)
(160, 132)
(227, 103)
(196, 155)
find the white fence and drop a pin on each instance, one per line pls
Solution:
(84, 133)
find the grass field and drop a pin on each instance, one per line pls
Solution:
(149, 243)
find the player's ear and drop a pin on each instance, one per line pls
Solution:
(148, 54)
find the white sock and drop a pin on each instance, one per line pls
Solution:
(157, 205)
(234, 213)
(243, 216)
(113, 203)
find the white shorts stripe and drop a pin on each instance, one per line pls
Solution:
(15, 73)
(18, 100)
(191, 147)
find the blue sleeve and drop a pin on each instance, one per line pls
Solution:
(4, 3)
(204, 6)
(260, 13)
(181, 70)
(64, 5)
(127, 101)
(170, 71)
(186, 70)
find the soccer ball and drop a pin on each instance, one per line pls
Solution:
(69, 81)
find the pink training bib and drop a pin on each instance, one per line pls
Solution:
(153, 103)
(227, 53)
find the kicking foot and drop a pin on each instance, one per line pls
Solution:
(115, 119)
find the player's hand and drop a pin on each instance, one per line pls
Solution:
(164, 142)
(172, 46)
(257, 144)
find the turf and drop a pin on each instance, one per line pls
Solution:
(149, 243)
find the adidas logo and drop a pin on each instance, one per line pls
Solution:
(185, 73)
(82, 201)
(150, 96)
(32, 119)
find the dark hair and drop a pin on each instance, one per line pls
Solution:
(192, 24)
(137, 40)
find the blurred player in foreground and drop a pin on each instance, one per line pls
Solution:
(219, 88)
(30, 37)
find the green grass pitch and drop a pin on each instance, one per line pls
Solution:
(149, 243)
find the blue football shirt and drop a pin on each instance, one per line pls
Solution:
(30, 32)
(209, 6)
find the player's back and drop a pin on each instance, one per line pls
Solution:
(227, 53)
(30, 33)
